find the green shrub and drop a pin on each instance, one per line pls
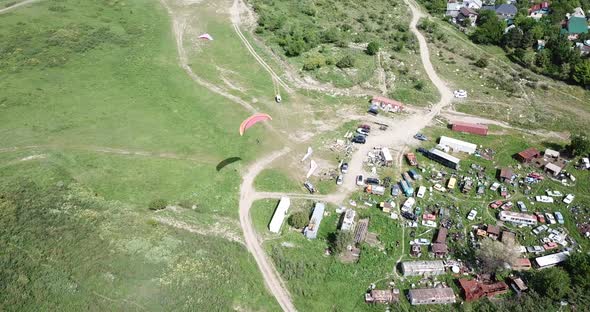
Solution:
(157, 204)
(298, 220)
(346, 61)
(372, 48)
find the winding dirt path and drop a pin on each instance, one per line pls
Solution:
(16, 5)
(247, 196)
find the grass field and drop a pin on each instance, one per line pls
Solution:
(503, 90)
(104, 121)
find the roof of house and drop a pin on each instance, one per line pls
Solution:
(424, 294)
(519, 284)
(422, 265)
(440, 248)
(474, 289)
(441, 237)
(493, 229)
(385, 100)
(577, 25)
(553, 167)
(522, 262)
(551, 153)
(506, 173)
(506, 9)
(529, 153)
(467, 11)
(389, 295)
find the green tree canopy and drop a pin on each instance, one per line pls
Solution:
(553, 282)
(346, 61)
(578, 265)
(298, 219)
(490, 28)
(580, 144)
(372, 48)
(581, 73)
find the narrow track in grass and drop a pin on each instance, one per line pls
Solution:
(17, 5)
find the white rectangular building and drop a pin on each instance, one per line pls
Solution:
(279, 216)
(551, 260)
(458, 145)
(517, 217)
(311, 230)
(423, 268)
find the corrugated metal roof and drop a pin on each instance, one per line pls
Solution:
(444, 155)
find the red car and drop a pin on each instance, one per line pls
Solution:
(366, 127)
(537, 176)
(496, 204)
(540, 217)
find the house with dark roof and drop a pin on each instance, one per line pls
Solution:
(493, 231)
(466, 17)
(439, 250)
(504, 11)
(528, 155)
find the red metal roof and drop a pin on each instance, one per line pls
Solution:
(474, 290)
(386, 101)
(470, 128)
(529, 153)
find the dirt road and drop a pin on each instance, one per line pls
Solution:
(16, 5)
(247, 195)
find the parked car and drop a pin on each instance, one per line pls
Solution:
(544, 199)
(460, 94)
(420, 136)
(550, 218)
(521, 206)
(540, 217)
(309, 187)
(359, 139)
(395, 190)
(366, 127)
(422, 241)
(553, 193)
(496, 204)
(360, 180)
(440, 188)
(372, 181)
(362, 131)
(344, 168)
(569, 199)
(471, 215)
(559, 217)
(339, 180)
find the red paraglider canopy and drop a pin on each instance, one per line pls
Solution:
(252, 120)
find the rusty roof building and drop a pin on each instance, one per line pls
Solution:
(382, 296)
(473, 289)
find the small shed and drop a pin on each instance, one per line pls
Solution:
(518, 285)
(493, 231)
(386, 104)
(441, 295)
(506, 175)
(440, 249)
(415, 250)
(551, 153)
(528, 155)
(552, 169)
(522, 264)
(382, 296)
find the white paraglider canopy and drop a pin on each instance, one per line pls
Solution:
(206, 36)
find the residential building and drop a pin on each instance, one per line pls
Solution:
(551, 260)
(466, 17)
(575, 26)
(443, 158)
(382, 296)
(442, 295)
(311, 230)
(279, 216)
(473, 290)
(453, 7)
(423, 268)
(386, 104)
(348, 221)
(469, 128)
(458, 145)
(528, 155)
(517, 217)
(504, 11)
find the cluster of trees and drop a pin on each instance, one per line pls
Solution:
(580, 145)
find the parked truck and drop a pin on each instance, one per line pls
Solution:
(375, 189)
(407, 188)
(415, 175)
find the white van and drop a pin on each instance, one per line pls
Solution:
(421, 192)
